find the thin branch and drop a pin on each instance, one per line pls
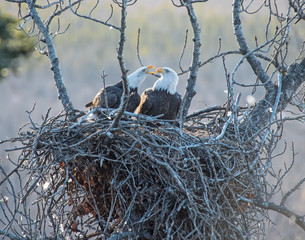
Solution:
(138, 47)
(11, 236)
(206, 110)
(94, 19)
(183, 50)
(299, 220)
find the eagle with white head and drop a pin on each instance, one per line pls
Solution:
(162, 98)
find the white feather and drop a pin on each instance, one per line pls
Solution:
(137, 77)
(168, 81)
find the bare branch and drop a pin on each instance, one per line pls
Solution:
(93, 19)
(138, 47)
(124, 70)
(62, 92)
(190, 89)
(254, 63)
(290, 83)
(183, 50)
(299, 220)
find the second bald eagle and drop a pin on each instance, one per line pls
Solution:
(162, 98)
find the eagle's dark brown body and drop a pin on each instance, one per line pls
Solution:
(111, 97)
(157, 102)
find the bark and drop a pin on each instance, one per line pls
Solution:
(125, 95)
(244, 48)
(260, 116)
(192, 78)
(55, 67)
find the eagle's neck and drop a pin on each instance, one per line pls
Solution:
(168, 84)
(135, 79)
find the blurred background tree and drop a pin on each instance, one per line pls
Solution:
(13, 44)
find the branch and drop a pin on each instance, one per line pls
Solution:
(190, 88)
(244, 48)
(61, 89)
(299, 220)
(124, 99)
(94, 19)
(129, 235)
(138, 47)
(260, 115)
(209, 109)
(11, 236)
(183, 50)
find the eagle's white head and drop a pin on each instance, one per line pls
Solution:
(168, 80)
(137, 77)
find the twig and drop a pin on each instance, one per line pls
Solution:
(183, 50)
(209, 109)
(138, 47)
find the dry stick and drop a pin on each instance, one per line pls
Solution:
(138, 47)
(94, 19)
(299, 220)
(288, 194)
(254, 63)
(206, 110)
(124, 99)
(183, 50)
(61, 89)
(190, 89)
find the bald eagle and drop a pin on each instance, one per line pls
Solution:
(162, 98)
(111, 95)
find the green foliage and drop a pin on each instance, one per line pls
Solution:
(13, 44)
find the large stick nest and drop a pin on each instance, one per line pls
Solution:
(142, 180)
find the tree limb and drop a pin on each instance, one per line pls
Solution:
(260, 115)
(244, 48)
(190, 88)
(61, 89)
(124, 99)
(299, 220)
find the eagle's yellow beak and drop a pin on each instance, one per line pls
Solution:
(149, 68)
(159, 70)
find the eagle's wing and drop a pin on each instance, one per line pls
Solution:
(133, 102)
(89, 104)
(112, 95)
(145, 103)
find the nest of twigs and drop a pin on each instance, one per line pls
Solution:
(142, 180)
